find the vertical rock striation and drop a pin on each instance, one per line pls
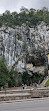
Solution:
(24, 45)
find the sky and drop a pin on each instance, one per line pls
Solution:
(15, 5)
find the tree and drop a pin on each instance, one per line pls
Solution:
(26, 78)
(23, 9)
(3, 73)
(14, 78)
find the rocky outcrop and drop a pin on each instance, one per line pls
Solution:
(24, 45)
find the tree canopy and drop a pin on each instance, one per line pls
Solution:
(30, 17)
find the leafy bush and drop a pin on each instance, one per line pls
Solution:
(3, 73)
(26, 78)
(47, 83)
(12, 77)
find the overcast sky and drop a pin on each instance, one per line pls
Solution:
(15, 5)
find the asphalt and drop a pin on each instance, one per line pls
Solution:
(36, 105)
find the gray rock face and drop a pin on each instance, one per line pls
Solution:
(24, 45)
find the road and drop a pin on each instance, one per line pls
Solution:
(36, 105)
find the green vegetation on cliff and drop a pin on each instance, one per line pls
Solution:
(9, 76)
(3, 73)
(30, 17)
(47, 83)
(13, 78)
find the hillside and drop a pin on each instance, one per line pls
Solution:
(24, 41)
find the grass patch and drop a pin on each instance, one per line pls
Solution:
(47, 83)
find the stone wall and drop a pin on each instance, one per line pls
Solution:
(24, 94)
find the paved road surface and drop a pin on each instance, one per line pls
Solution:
(37, 105)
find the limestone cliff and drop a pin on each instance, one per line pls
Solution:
(25, 48)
